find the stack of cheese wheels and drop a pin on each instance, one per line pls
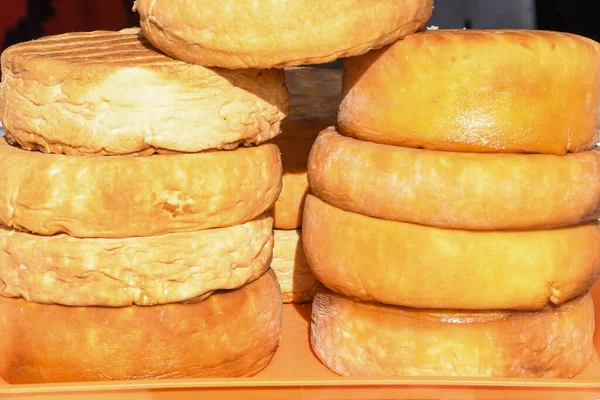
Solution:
(136, 237)
(248, 34)
(314, 101)
(454, 215)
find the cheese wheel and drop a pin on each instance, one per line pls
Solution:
(232, 333)
(477, 91)
(314, 101)
(143, 271)
(455, 190)
(419, 266)
(112, 93)
(295, 144)
(246, 33)
(123, 196)
(298, 284)
(361, 339)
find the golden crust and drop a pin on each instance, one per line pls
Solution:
(477, 91)
(247, 33)
(455, 190)
(361, 339)
(142, 271)
(419, 266)
(232, 333)
(123, 196)
(314, 101)
(298, 284)
(112, 93)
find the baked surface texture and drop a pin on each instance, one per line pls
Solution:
(455, 190)
(414, 265)
(124, 196)
(266, 34)
(143, 271)
(361, 339)
(298, 284)
(229, 334)
(104, 93)
(477, 91)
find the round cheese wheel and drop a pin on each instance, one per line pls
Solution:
(314, 101)
(112, 93)
(144, 270)
(478, 91)
(361, 339)
(455, 190)
(123, 196)
(229, 334)
(414, 265)
(246, 33)
(298, 284)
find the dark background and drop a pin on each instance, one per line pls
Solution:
(22, 20)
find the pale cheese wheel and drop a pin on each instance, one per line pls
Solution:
(143, 271)
(362, 339)
(246, 33)
(112, 93)
(298, 284)
(123, 196)
(414, 265)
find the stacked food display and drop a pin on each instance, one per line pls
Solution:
(460, 199)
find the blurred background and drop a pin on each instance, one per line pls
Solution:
(22, 20)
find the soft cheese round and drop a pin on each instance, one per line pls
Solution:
(266, 34)
(480, 91)
(124, 196)
(455, 190)
(146, 271)
(362, 339)
(229, 334)
(413, 265)
(112, 93)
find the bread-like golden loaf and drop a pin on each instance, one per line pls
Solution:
(143, 271)
(298, 284)
(362, 339)
(112, 93)
(414, 265)
(275, 34)
(229, 334)
(123, 196)
(478, 91)
(455, 190)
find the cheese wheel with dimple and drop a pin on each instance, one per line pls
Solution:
(477, 91)
(144, 271)
(362, 339)
(455, 190)
(229, 334)
(414, 265)
(123, 196)
(275, 34)
(298, 284)
(112, 93)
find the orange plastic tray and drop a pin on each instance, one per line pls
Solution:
(295, 373)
